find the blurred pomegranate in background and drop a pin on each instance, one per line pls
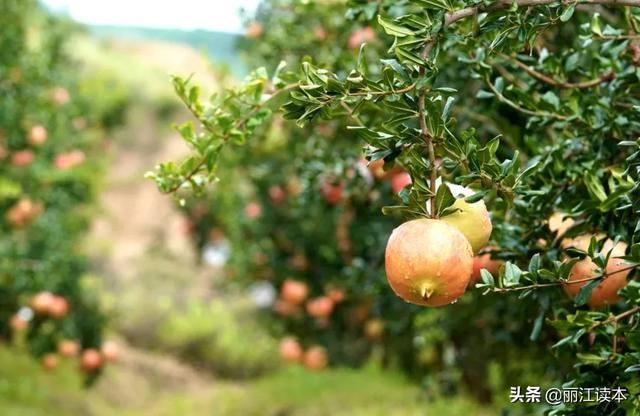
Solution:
(110, 351)
(315, 358)
(37, 135)
(294, 291)
(22, 158)
(290, 350)
(90, 360)
(50, 361)
(68, 348)
(360, 36)
(320, 307)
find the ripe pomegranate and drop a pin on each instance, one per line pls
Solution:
(277, 194)
(337, 295)
(472, 220)
(41, 302)
(37, 135)
(320, 307)
(606, 293)
(254, 30)
(59, 307)
(428, 262)
(68, 348)
(294, 186)
(252, 210)
(373, 329)
(376, 167)
(360, 36)
(285, 308)
(290, 350)
(484, 261)
(559, 224)
(319, 33)
(60, 95)
(23, 212)
(50, 361)
(332, 193)
(294, 291)
(399, 181)
(69, 160)
(22, 158)
(18, 323)
(110, 351)
(90, 360)
(315, 358)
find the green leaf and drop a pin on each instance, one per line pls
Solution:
(394, 29)
(595, 187)
(487, 278)
(567, 13)
(512, 274)
(447, 109)
(585, 292)
(590, 358)
(472, 199)
(444, 199)
(551, 98)
(537, 326)
(534, 264)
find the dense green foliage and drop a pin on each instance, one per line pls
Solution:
(532, 104)
(49, 136)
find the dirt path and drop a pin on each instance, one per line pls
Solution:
(136, 228)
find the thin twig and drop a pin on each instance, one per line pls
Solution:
(351, 114)
(224, 138)
(607, 76)
(616, 318)
(521, 109)
(424, 131)
(554, 284)
(392, 92)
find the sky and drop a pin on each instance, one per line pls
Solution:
(218, 15)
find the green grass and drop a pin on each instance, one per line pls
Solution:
(26, 390)
(364, 392)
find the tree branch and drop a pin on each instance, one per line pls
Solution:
(616, 318)
(424, 131)
(236, 126)
(554, 284)
(607, 76)
(454, 16)
(515, 106)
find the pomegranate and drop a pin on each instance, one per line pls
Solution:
(428, 262)
(315, 358)
(50, 361)
(290, 350)
(294, 291)
(68, 348)
(399, 181)
(606, 293)
(90, 360)
(110, 351)
(484, 261)
(320, 307)
(37, 135)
